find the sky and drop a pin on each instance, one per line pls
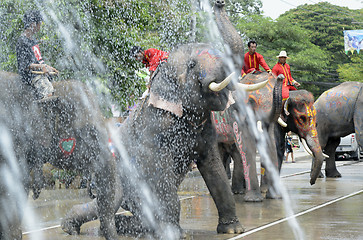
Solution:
(274, 8)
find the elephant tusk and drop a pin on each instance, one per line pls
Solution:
(259, 126)
(281, 122)
(326, 156)
(307, 149)
(252, 87)
(216, 87)
(286, 105)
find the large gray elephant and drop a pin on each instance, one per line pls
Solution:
(169, 130)
(236, 139)
(300, 118)
(339, 112)
(67, 131)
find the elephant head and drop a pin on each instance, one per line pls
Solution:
(193, 80)
(300, 113)
(266, 102)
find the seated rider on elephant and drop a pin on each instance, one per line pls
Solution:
(253, 60)
(151, 58)
(289, 83)
(31, 66)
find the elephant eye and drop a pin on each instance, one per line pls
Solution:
(303, 118)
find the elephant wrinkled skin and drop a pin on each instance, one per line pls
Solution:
(67, 131)
(339, 113)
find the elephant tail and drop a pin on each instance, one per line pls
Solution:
(277, 99)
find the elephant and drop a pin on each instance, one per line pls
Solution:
(300, 116)
(167, 131)
(339, 112)
(235, 139)
(67, 130)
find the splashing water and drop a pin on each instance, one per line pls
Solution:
(88, 65)
(261, 139)
(11, 175)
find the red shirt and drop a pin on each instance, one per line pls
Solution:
(253, 61)
(285, 70)
(287, 82)
(154, 57)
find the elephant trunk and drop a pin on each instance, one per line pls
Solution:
(314, 146)
(277, 99)
(229, 34)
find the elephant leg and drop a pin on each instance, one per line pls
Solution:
(238, 181)
(330, 165)
(245, 165)
(78, 215)
(226, 158)
(358, 121)
(266, 171)
(280, 144)
(82, 213)
(215, 177)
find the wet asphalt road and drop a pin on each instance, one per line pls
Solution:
(331, 209)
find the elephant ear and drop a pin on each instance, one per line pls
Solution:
(165, 90)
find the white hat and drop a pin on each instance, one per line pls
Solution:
(282, 54)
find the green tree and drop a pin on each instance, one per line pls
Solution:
(352, 71)
(325, 23)
(90, 39)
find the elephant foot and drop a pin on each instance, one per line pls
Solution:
(131, 225)
(230, 226)
(238, 190)
(71, 226)
(321, 175)
(253, 196)
(332, 173)
(272, 195)
(263, 187)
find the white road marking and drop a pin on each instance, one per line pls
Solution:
(308, 171)
(295, 215)
(118, 213)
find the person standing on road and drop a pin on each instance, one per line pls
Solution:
(289, 146)
(253, 60)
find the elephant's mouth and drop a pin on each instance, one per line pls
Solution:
(217, 101)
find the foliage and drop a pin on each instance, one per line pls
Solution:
(90, 40)
(63, 175)
(352, 71)
(325, 23)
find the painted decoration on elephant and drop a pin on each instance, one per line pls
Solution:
(260, 98)
(67, 145)
(208, 55)
(306, 120)
(221, 125)
(246, 167)
(340, 101)
(111, 147)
